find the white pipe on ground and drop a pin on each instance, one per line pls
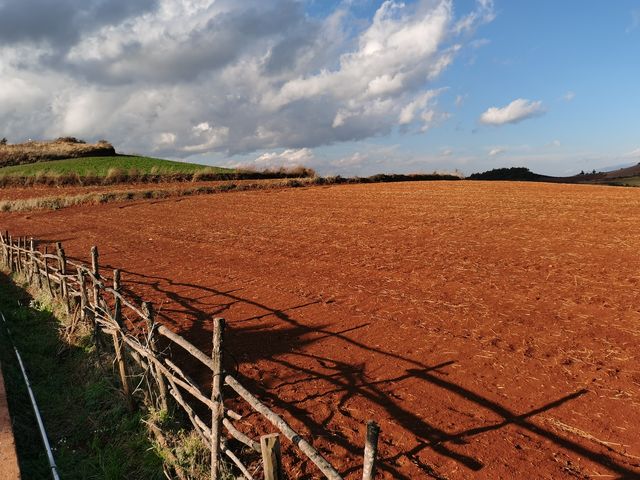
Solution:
(43, 433)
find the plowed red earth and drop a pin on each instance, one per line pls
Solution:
(490, 328)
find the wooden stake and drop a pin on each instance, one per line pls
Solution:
(370, 451)
(25, 262)
(10, 252)
(271, 461)
(19, 253)
(217, 412)
(46, 271)
(147, 309)
(35, 267)
(118, 345)
(117, 304)
(83, 294)
(5, 251)
(95, 268)
(62, 262)
(23, 255)
(4, 247)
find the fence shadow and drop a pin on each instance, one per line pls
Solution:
(347, 380)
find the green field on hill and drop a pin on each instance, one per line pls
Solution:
(100, 166)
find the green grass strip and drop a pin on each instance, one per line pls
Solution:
(100, 167)
(92, 434)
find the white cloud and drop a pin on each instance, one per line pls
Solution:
(408, 113)
(555, 143)
(569, 96)
(286, 158)
(180, 77)
(206, 138)
(518, 110)
(485, 13)
(496, 151)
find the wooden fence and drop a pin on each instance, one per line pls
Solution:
(91, 297)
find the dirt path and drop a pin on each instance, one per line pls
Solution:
(491, 328)
(9, 469)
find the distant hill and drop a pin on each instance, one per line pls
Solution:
(628, 176)
(512, 173)
(62, 148)
(625, 172)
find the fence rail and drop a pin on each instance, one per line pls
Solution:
(93, 298)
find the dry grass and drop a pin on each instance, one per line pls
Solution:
(115, 175)
(67, 147)
(58, 202)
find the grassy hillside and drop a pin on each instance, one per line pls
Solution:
(101, 166)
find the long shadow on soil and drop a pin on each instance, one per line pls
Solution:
(271, 341)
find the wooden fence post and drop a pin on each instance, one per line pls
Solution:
(117, 344)
(370, 451)
(117, 303)
(147, 309)
(19, 262)
(95, 269)
(62, 265)
(271, 456)
(25, 262)
(19, 252)
(19, 255)
(4, 247)
(35, 266)
(7, 244)
(46, 271)
(217, 411)
(11, 255)
(83, 294)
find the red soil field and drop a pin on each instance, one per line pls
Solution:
(490, 328)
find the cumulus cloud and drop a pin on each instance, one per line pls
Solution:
(286, 158)
(569, 96)
(181, 77)
(63, 22)
(496, 151)
(518, 110)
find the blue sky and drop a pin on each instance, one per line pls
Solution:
(348, 87)
(581, 59)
